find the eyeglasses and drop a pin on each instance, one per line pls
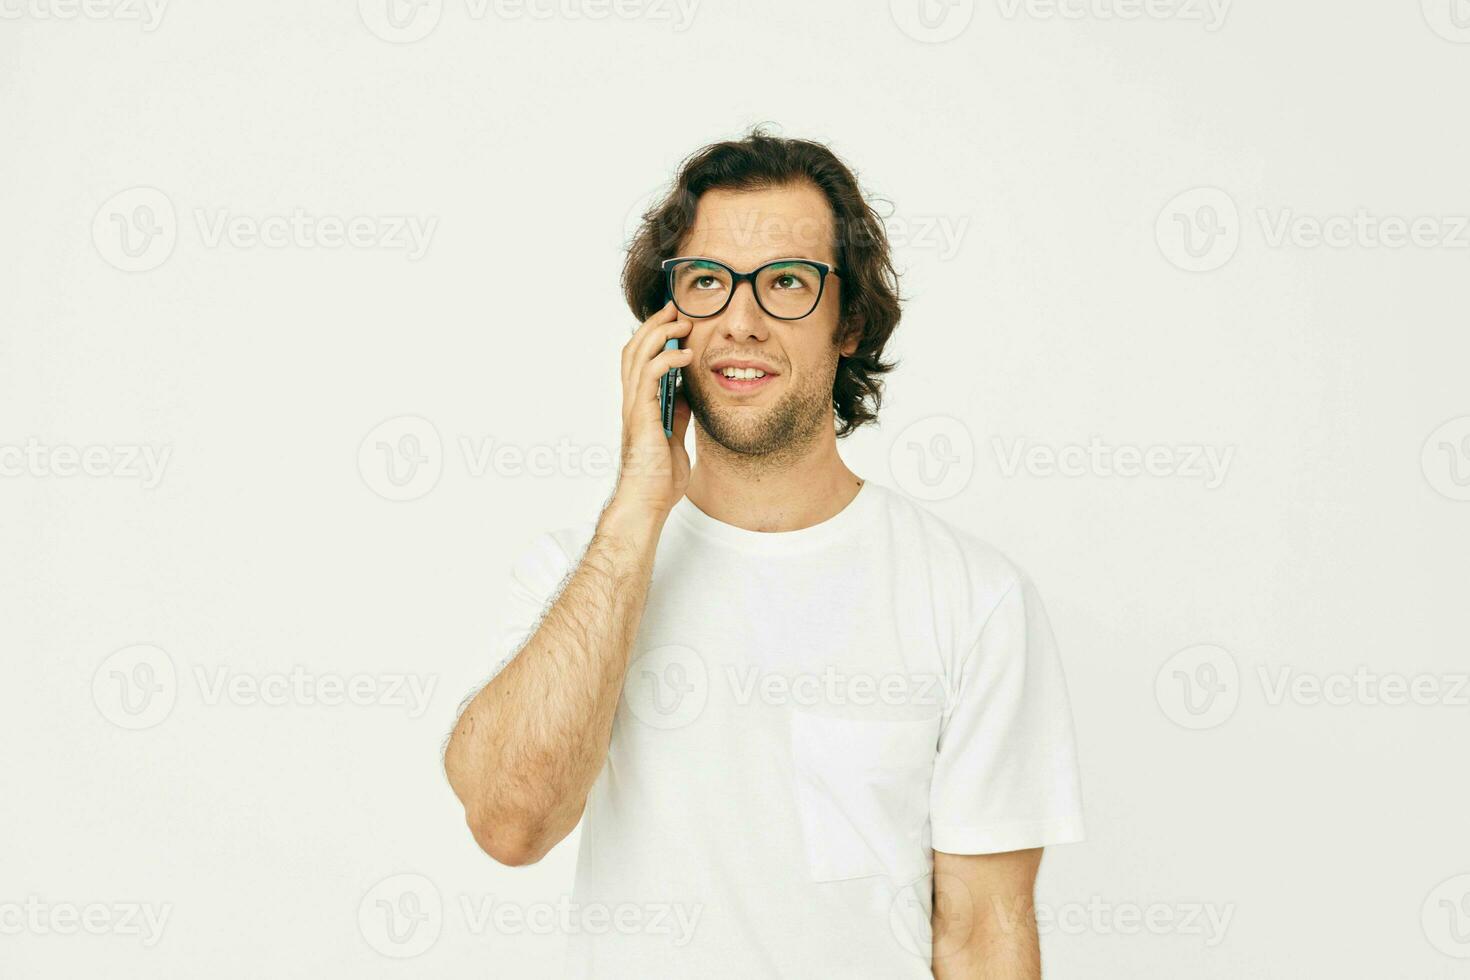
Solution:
(787, 289)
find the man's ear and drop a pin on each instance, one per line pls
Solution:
(851, 332)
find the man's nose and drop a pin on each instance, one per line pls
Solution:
(743, 317)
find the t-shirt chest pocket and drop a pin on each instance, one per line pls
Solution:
(862, 790)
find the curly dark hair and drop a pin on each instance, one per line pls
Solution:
(869, 285)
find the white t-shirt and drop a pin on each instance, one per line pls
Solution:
(805, 715)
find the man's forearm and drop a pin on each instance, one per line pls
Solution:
(527, 749)
(1014, 955)
(991, 950)
(984, 916)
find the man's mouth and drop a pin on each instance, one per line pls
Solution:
(742, 379)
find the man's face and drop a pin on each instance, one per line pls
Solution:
(785, 411)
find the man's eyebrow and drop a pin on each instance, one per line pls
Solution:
(787, 260)
(778, 262)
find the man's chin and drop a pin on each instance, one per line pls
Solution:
(747, 429)
(748, 435)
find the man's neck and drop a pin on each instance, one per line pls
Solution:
(779, 497)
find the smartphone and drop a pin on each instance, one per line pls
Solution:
(666, 386)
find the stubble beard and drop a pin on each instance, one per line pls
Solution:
(782, 431)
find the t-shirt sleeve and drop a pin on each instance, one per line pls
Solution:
(535, 580)
(1006, 774)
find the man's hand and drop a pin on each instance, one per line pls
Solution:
(984, 916)
(655, 467)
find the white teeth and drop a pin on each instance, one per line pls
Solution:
(744, 374)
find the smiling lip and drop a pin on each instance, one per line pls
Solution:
(725, 362)
(739, 384)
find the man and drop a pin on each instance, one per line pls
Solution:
(803, 721)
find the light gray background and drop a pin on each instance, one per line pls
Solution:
(1066, 153)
